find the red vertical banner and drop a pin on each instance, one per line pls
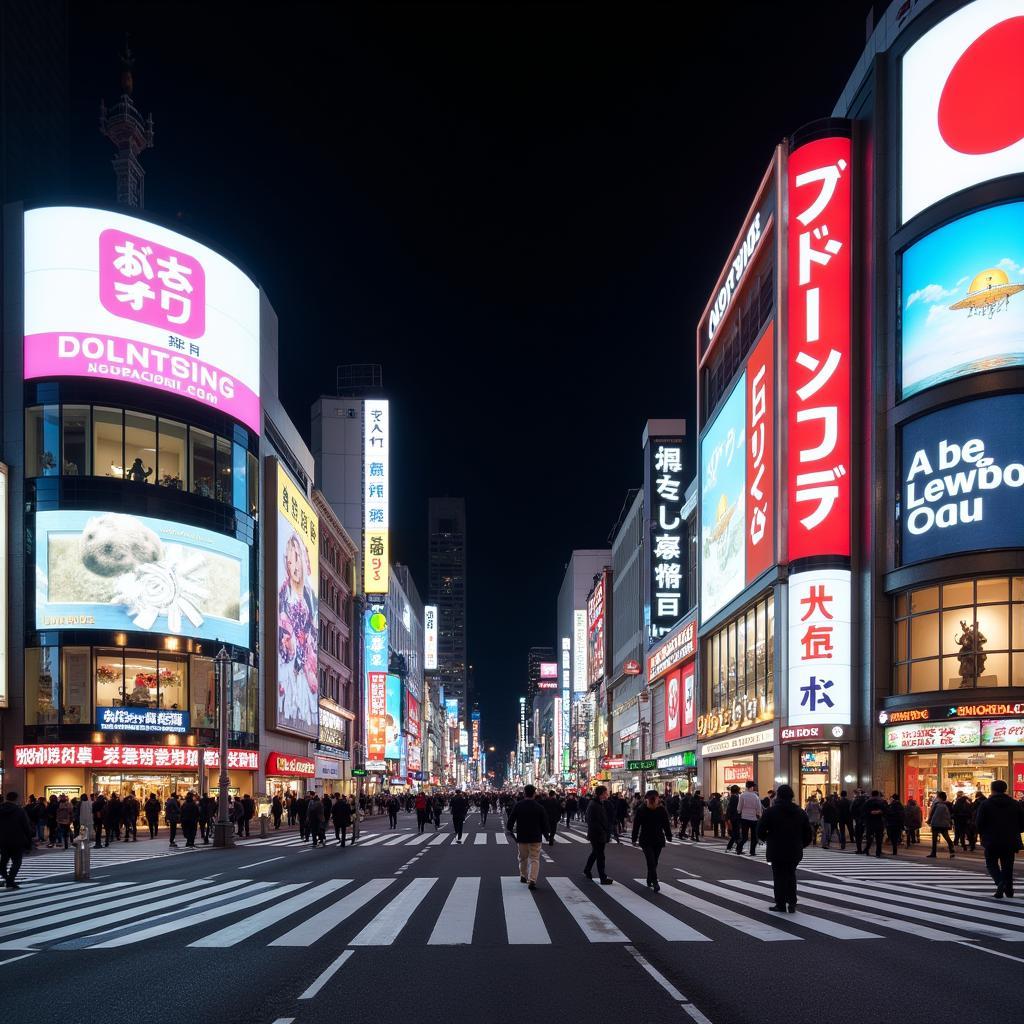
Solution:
(818, 361)
(688, 695)
(761, 456)
(673, 707)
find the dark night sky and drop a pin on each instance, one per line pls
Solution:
(519, 210)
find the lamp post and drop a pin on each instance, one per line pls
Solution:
(360, 762)
(642, 725)
(222, 830)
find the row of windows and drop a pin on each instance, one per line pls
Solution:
(332, 642)
(64, 686)
(740, 657)
(333, 598)
(139, 448)
(960, 635)
(335, 688)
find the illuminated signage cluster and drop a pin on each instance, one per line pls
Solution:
(597, 630)
(375, 648)
(430, 637)
(96, 755)
(987, 709)
(579, 650)
(291, 764)
(674, 650)
(376, 495)
(681, 702)
(127, 719)
(665, 493)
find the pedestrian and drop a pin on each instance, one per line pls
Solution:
(873, 812)
(315, 820)
(189, 817)
(15, 839)
(572, 806)
(732, 817)
(421, 811)
(912, 820)
(485, 806)
(697, 807)
(276, 811)
(85, 817)
(152, 812)
(99, 807)
(1000, 823)
(860, 798)
(301, 805)
(651, 826)
(172, 812)
(830, 827)
(972, 825)
(786, 832)
(845, 819)
(112, 819)
(684, 814)
(130, 816)
(895, 818)
(963, 812)
(599, 833)
(553, 809)
(63, 820)
(207, 807)
(528, 822)
(51, 820)
(238, 815)
(813, 811)
(750, 810)
(939, 819)
(715, 810)
(249, 807)
(459, 808)
(673, 809)
(341, 816)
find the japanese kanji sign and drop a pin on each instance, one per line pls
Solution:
(818, 368)
(116, 297)
(118, 755)
(376, 486)
(760, 482)
(819, 647)
(665, 495)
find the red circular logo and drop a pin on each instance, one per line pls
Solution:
(979, 109)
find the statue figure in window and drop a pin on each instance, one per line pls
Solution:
(971, 657)
(138, 473)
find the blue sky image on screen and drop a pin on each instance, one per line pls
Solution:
(941, 343)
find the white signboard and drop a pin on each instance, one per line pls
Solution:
(951, 735)
(430, 637)
(376, 484)
(579, 650)
(819, 647)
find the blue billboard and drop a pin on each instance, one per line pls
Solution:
(393, 718)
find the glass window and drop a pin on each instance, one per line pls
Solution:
(42, 440)
(239, 473)
(202, 462)
(253, 484)
(76, 705)
(769, 687)
(76, 427)
(956, 595)
(107, 442)
(1018, 588)
(924, 636)
(901, 679)
(994, 623)
(171, 456)
(109, 679)
(139, 447)
(141, 682)
(171, 692)
(741, 655)
(924, 600)
(223, 489)
(901, 641)
(42, 692)
(252, 707)
(203, 687)
(993, 590)
(924, 675)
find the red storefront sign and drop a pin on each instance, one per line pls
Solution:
(676, 648)
(818, 367)
(376, 720)
(687, 690)
(673, 707)
(796, 733)
(121, 755)
(613, 761)
(761, 456)
(291, 764)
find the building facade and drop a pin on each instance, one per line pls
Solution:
(447, 587)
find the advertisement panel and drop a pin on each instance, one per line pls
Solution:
(673, 650)
(579, 650)
(673, 706)
(451, 710)
(115, 297)
(376, 722)
(463, 741)
(293, 569)
(412, 718)
(688, 693)
(664, 496)
(286, 765)
(957, 130)
(595, 633)
(760, 468)
(107, 570)
(1002, 732)
(127, 755)
(818, 368)
(962, 479)
(819, 647)
(722, 504)
(957, 317)
(376, 495)
(949, 735)
(430, 637)
(393, 717)
(333, 730)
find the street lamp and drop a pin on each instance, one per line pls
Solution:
(222, 831)
(642, 726)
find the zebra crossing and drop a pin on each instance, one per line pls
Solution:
(376, 912)
(404, 837)
(54, 863)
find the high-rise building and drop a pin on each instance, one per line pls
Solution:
(534, 659)
(447, 587)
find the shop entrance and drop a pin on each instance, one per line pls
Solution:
(819, 772)
(143, 785)
(954, 773)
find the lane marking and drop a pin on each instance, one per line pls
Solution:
(245, 867)
(523, 922)
(326, 976)
(667, 985)
(970, 945)
(455, 923)
(14, 958)
(317, 927)
(386, 926)
(749, 926)
(593, 923)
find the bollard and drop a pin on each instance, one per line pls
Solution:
(263, 826)
(82, 855)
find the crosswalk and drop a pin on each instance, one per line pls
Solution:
(54, 863)
(406, 838)
(211, 913)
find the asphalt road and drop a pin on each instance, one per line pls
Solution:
(400, 928)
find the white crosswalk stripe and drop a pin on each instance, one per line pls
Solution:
(469, 909)
(54, 863)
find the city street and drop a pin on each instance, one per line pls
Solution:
(420, 927)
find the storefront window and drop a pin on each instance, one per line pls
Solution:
(253, 505)
(738, 658)
(953, 773)
(140, 448)
(76, 428)
(171, 456)
(203, 683)
(238, 705)
(108, 442)
(202, 467)
(971, 634)
(239, 472)
(141, 683)
(76, 707)
(109, 679)
(42, 686)
(172, 675)
(223, 490)
(42, 440)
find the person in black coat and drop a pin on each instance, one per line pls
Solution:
(785, 830)
(599, 832)
(732, 817)
(528, 822)
(553, 809)
(715, 810)
(459, 807)
(152, 810)
(652, 827)
(684, 814)
(189, 818)
(341, 816)
(1000, 823)
(697, 806)
(276, 811)
(207, 812)
(15, 838)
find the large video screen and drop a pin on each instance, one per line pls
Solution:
(107, 570)
(115, 297)
(963, 311)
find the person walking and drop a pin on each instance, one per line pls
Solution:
(874, 823)
(857, 813)
(651, 826)
(830, 827)
(341, 816)
(813, 812)
(112, 819)
(572, 807)
(963, 812)
(15, 838)
(130, 816)
(939, 819)
(553, 809)
(912, 820)
(438, 806)
(99, 806)
(63, 820)
(276, 811)
(599, 833)
(786, 832)
(152, 812)
(684, 814)
(189, 817)
(750, 810)
(172, 812)
(528, 821)
(732, 817)
(459, 809)
(845, 819)
(249, 809)
(485, 806)
(207, 811)
(85, 817)
(895, 818)
(1000, 823)
(715, 810)
(697, 806)
(315, 820)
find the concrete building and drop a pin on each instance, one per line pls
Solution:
(448, 589)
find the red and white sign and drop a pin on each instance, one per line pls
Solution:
(677, 647)
(610, 761)
(689, 700)
(961, 123)
(549, 670)
(290, 764)
(761, 456)
(797, 733)
(632, 668)
(412, 717)
(376, 720)
(818, 370)
(736, 774)
(673, 707)
(118, 755)
(948, 735)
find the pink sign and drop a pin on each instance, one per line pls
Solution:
(118, 755)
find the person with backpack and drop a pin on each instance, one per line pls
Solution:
(939, 819)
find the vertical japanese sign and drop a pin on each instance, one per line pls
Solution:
(375, 648)
(376, 484)
(562, 731)
(818, 370)
(688, 694)
(430, 637)
(760, 482)
(393, 717)
(595, 632)
(579, 650)
(664, 495)
(474, 725)
(819, 647)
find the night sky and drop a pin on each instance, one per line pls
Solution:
(518, 210)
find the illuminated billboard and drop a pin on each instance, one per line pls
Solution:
(108, 296)
(579, 650)
(664, 497)
(430, 637)
(376, 495)
(3, 585)
(596, 629)
(962, 312)
(292, 560)
(960, 124)
(393, 717)
(106, 570)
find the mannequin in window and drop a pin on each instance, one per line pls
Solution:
(138, 473)
(972, 659)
